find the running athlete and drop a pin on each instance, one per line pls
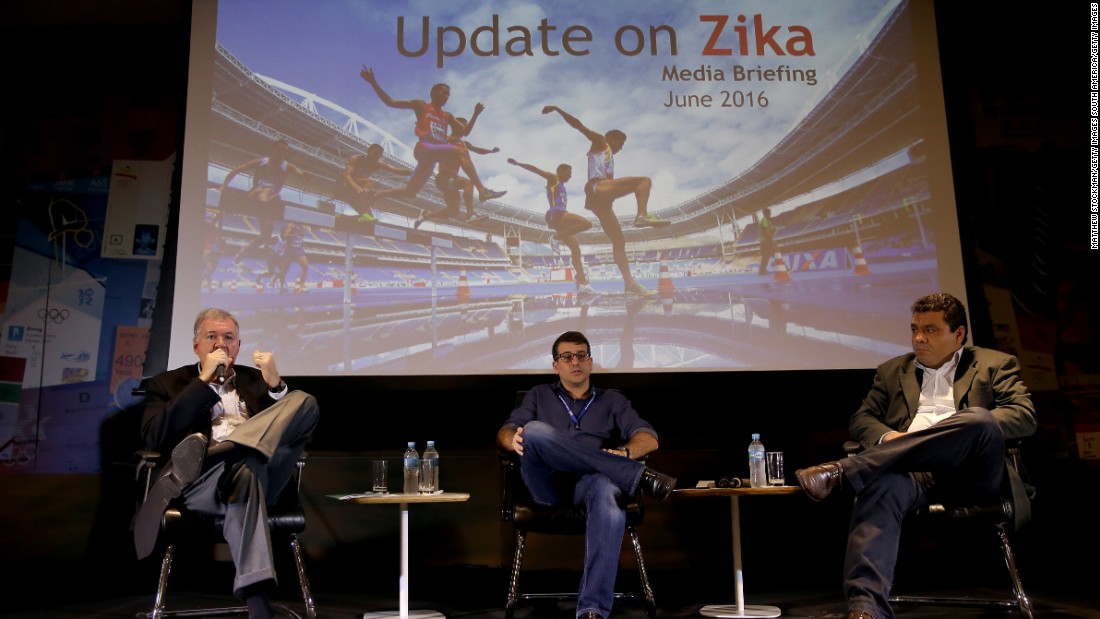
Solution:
(294, 237)
(455, 188)
(602, 189)
(433, 126)
(566, 225)
(357, 180)
(267, 182)
(212, 247)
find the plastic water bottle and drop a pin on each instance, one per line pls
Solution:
(431, 484)
(758, 474)
(412, 470)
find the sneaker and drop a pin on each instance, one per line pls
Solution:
(476, 218)
(639, 289)
(586, 289)
(650, 221)
(367, 218)
(419, 220)
(489, 194)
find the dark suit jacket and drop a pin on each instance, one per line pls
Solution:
(178, 403)
(985, 378)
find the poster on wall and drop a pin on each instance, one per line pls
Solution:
(74, 328)
(443, 188)
(132, 228)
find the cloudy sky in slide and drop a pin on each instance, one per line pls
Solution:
(320, 46)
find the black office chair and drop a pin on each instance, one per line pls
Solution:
(1002, 515)
(527, 516)
(180, 526)
(286, 518)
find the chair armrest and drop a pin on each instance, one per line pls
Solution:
(509, 477)
(147, 462)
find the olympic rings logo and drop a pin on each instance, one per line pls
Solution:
(58, 316)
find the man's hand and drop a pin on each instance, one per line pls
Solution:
(517, 441)
(550, 108)
(367, 74)
(265, 363)
(215, 358)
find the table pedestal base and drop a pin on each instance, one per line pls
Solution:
(412, 614)
(731, 610)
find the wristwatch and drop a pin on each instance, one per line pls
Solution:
(279, 387)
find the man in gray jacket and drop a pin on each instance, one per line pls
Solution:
(933, 425)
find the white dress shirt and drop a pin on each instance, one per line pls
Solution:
(937, 395)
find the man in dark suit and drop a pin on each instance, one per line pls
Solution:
(934, 424)
(256, 429)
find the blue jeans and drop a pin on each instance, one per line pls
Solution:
(598, 479)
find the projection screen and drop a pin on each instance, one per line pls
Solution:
(828, 114)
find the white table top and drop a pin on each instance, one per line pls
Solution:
(394, 498)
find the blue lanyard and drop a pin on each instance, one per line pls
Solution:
(569, 409)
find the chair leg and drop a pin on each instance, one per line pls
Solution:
(303, 580)
(1013, 573)
(162, 586)
(1019, 599)
(647, 591)
(513, 578)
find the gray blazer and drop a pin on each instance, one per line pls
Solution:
(985, 378)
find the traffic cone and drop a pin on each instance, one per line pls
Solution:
(463, 286)
(859, 261)
(665, 287)
(781, 272)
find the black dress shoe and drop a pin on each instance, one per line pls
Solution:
(818, 481)
(182, 469)
(860, 614)
(589, 614)
(656, 485)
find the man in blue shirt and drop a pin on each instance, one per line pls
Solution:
(583, 444)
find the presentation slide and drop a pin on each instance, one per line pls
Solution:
(442, 188)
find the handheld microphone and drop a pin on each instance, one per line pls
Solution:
(219, 373)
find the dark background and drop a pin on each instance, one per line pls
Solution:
(87, 83)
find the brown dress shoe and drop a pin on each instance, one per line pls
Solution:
(818, 481)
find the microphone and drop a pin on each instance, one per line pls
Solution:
(219, 373)
(732, 482)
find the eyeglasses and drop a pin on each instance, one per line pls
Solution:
(567, 357)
